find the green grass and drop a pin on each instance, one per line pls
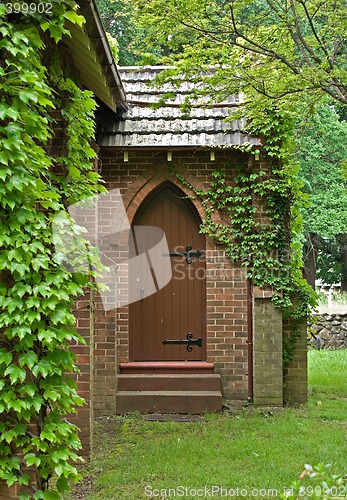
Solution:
(248, 448)
(328, 372)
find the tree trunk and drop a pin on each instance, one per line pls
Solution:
(342, 240)
(310, 258)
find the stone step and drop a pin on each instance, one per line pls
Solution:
(161, 367)
(168, 401)
(169, 382)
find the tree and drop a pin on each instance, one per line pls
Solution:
(277, 48)
(322, 152)
(285, 56)
(117, 20)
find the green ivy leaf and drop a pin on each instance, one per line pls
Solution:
(17, 405)
(20, 269)
(33, 302)
(24, 479)
(4, 159)
(35, 309)
(5, 357)
(37, 402)
(51, 495)
(32, 459)
(48, 435)
(38, 495)
(26, 95)
(42, 289)
(51, 394)
(59, 316)
(15, 373)
(43, 368)
(62, 484)
(74, 18)
(41, 261)
(29, 359)
(56, 32)
(29, 388)
(21, 289)
(10, 479)
(24, 496)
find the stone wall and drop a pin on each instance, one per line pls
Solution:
(330, 331)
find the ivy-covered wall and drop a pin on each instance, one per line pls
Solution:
(41, 174)
(228, 305)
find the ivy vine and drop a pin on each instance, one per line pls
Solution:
(37, 324)
(255, 214)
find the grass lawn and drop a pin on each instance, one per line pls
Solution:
(246, 449)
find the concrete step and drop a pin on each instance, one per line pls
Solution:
(168, 401)
(169, 382)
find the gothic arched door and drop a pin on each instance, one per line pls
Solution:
(179, 308)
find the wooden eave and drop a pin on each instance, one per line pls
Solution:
(93, 57)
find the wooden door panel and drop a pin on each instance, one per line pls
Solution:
(178, 308)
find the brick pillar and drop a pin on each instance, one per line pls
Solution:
(267, 350)
(84, 313)
(295, 374)
(105, 363)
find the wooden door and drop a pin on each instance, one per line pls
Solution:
(178, 309)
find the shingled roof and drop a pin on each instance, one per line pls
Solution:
(146, 126)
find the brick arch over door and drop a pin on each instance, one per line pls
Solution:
(179, 308)
(152, 180)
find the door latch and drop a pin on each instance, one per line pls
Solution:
(189, 253)
(189, 342)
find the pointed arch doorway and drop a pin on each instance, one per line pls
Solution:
(158, 323)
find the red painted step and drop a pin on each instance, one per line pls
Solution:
(166, 367)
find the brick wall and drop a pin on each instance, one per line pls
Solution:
(105, 360)
(226, 284)
(227, 301)
(84, 313)
(9, 493)
(226, 287)
(13, 492)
